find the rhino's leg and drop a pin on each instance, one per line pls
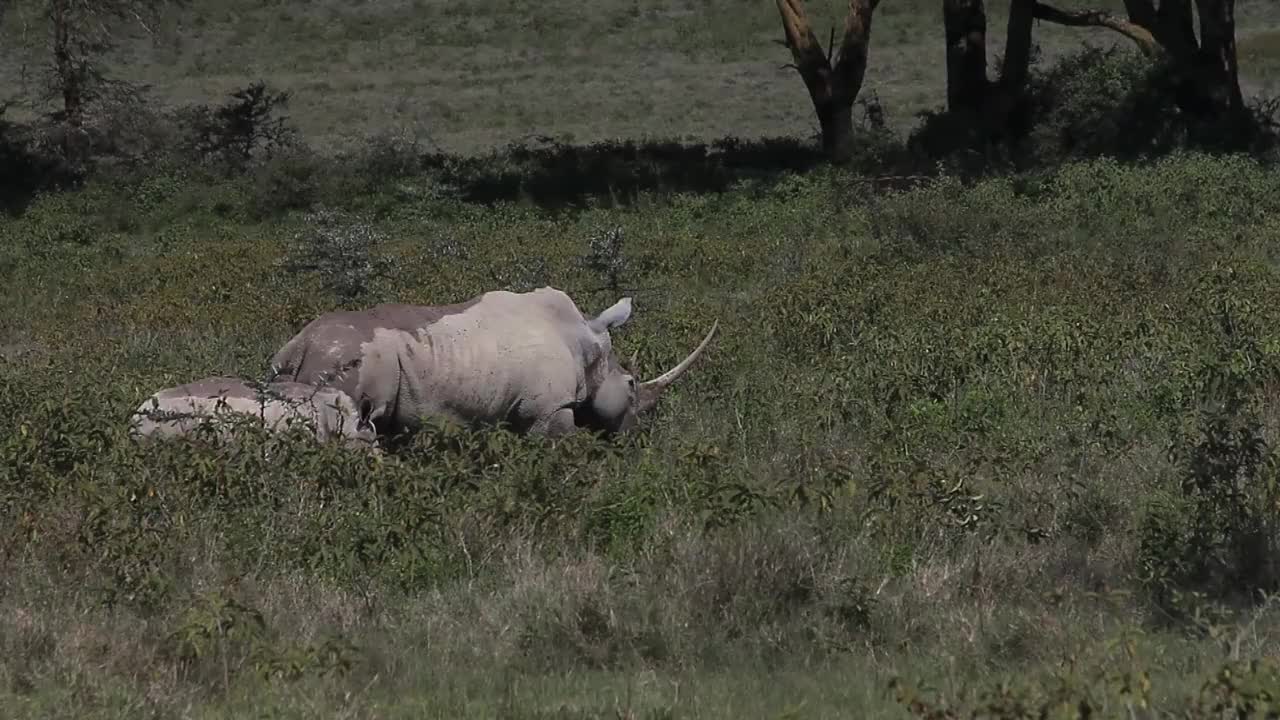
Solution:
(557, 424)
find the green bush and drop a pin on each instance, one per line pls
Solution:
(1102, 102)
(1221, 536)
(1091, 103)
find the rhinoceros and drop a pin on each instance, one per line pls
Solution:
(530, 361)
(180, 410)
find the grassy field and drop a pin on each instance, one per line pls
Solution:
(997, 447)
(473, 75)
(943, 437)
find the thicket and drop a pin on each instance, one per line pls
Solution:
(1095, 102)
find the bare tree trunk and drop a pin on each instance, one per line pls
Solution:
(836, 122)
(969, 90)
(833, 87)
(1174, 25)
(70, 73)
(69, 80)
(964, 25)
(1017, 49)
(1219, 75)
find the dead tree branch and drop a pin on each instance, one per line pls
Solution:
(810, 60)
(1140, 35)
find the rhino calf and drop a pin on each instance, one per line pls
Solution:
(181, 410)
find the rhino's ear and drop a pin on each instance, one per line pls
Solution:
(615, 315)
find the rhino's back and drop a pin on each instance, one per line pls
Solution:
(231, 387)
(474, 360)
(180, 410)
(327, 349)
(513, 357)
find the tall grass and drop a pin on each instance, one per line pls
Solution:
(955, 435)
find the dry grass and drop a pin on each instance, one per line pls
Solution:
(578, 631)
(581, 636)
(493, 73)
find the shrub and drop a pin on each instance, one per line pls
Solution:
(1119, 103)
(339, 250)
(241, 130)
(25, 168)
(605, 256)
(290, 180)
(1222, 536)
(1094, 102)
(391, 154)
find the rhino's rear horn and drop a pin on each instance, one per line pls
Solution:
(648, 392)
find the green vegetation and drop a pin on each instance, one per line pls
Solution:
(988, 432)
(933, 443)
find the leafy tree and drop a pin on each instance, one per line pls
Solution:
(1206, 68)
(79, 35)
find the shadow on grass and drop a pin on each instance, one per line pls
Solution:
(616, 173)
(25, 172)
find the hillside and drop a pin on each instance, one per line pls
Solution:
(474, 75)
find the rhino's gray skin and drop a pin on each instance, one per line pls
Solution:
(530, 360)
(180, 410)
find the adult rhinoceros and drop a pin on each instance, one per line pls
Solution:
(530, 360)
(180, 410)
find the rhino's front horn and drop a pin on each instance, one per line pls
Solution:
(648, 392)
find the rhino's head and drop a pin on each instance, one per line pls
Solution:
(619, 398)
